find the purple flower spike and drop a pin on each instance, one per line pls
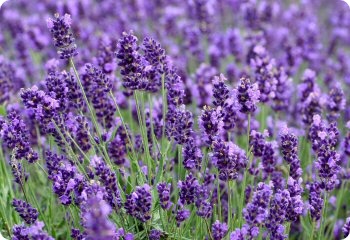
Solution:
(228, 158)
(164, 195)
(25, 210)
(346, 227)
(139, 203)
(248, 95)
(211, 123)
(60, 28)
(219, 230)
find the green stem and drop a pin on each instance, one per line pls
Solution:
(144, 135)
(324, 217)
(241, 203)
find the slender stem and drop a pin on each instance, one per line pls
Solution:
(219, 197)
(85, 98)
(164, 107)
(241, 203)
(3, 217)
(230, 205)
(324, 217)
(313, 230)
(209, 231)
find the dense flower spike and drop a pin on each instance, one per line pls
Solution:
(256, 211)
(60, 28)
(263, 67)
(192, 155)
(155, 56)
(95, 220)
(346, 228)
(289, 148)
(248, 95)
(15, 135)
(219, 230)
(25, 210)
(129, 61)
(7, 79)
(188, 190)
(179, 123)
(164, 195)
(335, 103)
(35, 231)
(315, 201)
(64, 176)
(108, 179)
(139, 203)
(229, 159)
(41, 105)
(181, 215)
(220, 91)
(211, 123)
(277, 214)
(296, 204)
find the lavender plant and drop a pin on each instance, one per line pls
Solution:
(174, 119)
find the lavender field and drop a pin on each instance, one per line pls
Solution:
(174, 119)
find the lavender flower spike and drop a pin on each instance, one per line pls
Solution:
(60, 28)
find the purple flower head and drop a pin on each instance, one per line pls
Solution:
(211, 123)
(179, 123)
(315, 201)
(204, 209)
(8, 78)
(264, 73)
(308, 84)
(346, 227)
(94, 215)
(108, 179)
(269, 158)
(346, 141)
(25, 210)
(155, 234)
(239, 234)
(248, 95)
(289, 148)
(35, 231)
(130, 61)
(281, 98)
(310, 107)
(117, 148)
(60, 28)
(188, 190)
(296, 204)
(335, 104)
(139, 203)
(258, 142)
(228, 158)
(122, 235)
(164, 195)
(105, 55)
(277, 214)
(220, 91)
(192, 155)
(15, 135)
(64, 176)
(175, 88)
(40, 104)
(219, 230)
(181, 215)
(74, 95)
(155, 56)
(202, 90)
(256, 211)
